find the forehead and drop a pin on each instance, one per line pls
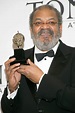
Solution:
(45, 13)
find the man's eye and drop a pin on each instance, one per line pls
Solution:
(37, 23)
(52, 23)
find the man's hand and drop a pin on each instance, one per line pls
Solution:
(31, 71)
(13, 76)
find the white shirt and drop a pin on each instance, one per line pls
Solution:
(44, 65)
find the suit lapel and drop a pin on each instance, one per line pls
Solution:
(60, 60)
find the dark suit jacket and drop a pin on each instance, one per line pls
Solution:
(56, 93)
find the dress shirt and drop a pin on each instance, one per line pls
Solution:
(44, 65)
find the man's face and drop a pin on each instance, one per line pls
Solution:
(45, 30)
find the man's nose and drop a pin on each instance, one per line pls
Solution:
(45, 25)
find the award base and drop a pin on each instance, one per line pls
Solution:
(19, 54)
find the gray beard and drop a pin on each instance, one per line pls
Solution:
(48, 45)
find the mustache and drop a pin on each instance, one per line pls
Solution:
(48, 31)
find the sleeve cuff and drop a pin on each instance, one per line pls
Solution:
(11, 95)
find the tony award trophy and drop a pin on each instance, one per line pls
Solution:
(18, 44)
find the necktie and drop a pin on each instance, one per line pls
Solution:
(40, 56)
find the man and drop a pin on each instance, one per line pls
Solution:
(44, 85)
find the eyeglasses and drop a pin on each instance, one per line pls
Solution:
(50, 23)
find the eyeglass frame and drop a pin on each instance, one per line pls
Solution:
(50, 23)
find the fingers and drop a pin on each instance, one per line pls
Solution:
(11, 69)
(14, 68)
(7, 63)
(30, 62)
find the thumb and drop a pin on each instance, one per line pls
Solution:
(30, 62)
